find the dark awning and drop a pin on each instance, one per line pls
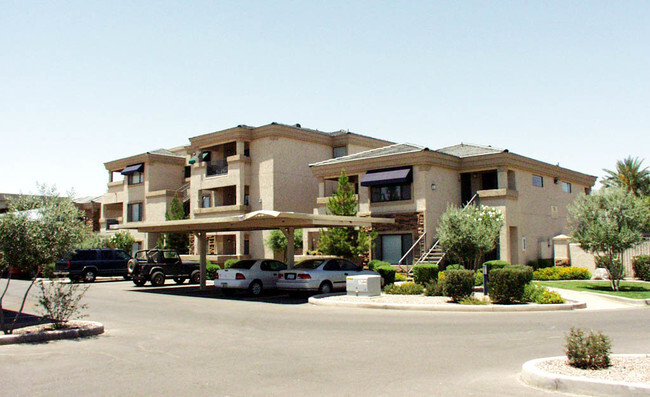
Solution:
(387, 177)
(132, 169)
(192, 160)
(205, 156)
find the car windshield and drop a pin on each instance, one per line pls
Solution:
(309, 264)
(245, 264)
(141, 255)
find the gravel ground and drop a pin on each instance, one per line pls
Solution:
(623, 369)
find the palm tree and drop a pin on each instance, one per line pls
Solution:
(629, 176)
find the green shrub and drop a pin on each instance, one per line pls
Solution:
(48, 271)
(495, 264)
(455, 266)
(507, 285)
(478, 278)
(470, 300)
(641, 266)
(400, 277)
(541, 263)
(458, 284)
(587, 351)
(540, 295)
(376, 262)
(229, 263)
(408, 288)
(387, 272)
(424, 273)
(434, 288)
(562, 273)
(211, 271)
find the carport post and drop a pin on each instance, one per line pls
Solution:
(288, 233)
(201, 236)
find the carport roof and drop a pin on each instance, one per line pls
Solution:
(257, 220)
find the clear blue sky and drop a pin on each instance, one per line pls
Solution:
(87, 82)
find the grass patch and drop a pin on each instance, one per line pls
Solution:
(628, 289)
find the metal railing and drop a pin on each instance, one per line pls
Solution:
(217, 167)
(400, 262)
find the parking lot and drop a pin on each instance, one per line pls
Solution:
(177, 340)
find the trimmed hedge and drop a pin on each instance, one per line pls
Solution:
(478, 278)
(455, 266)
(541, 263)
(458, 284)
(496, 264)
(507, 285)
(229, 263)
(424, 273)
(387, 272)
(376, 262)
(641, 266)
(400, 277)
(562, 273)
(408, 288)
(211, 271)
(434, 288)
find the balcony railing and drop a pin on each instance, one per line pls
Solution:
(217, 167)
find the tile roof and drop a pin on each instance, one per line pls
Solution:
(398, 148)
(164, 152)
(469, 150)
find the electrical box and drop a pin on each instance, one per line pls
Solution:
(369, 285)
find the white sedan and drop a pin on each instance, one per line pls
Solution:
(254, 275)
(322, 275)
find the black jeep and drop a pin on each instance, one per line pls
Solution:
(157, 265)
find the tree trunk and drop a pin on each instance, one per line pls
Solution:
(2, 313)
(22, 305)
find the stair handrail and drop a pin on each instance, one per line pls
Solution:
(399, 263)
(422, 257)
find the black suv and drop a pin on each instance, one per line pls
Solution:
(157, 265)
(87, 264)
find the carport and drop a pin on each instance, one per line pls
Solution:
(286, 222)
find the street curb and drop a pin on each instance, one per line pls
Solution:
(318, 300)
(621, 299)
(533, 376)
(90, 328)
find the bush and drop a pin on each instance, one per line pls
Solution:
(400, 277)
(507, 285)
(408, 288)
(375, 263)
(587, 351)
(424, 273)
(434, 288)
(387, 272)
(455, 266)
(458, 284)
(229, 263)
(48, 271)
(496, 264)
(60, 302)
(470, 300)
(562, 273)
(540, 295)
(641, 266)
(211, 271)
(478, 278)
(541, 263)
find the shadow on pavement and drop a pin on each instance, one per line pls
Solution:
(24, 320)
(211, 293)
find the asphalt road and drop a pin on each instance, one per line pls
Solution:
(177, 341)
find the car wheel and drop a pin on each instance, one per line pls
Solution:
(325, 288)
(130, 265)
(255, 288)
(127, 277)
(157, 279)
(139, 283)
(179, 280)
(195, 278)
(89, 276)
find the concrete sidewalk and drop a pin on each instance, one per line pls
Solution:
(596, 301)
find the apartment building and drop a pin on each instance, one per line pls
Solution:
(415, 185)
(225, 173)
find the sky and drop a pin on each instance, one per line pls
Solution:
(86, 82)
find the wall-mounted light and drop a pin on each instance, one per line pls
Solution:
(433, 186)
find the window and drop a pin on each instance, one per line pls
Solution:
(538, 181)
(566, 187)
(205, 201)
(523, 244)
(339, 151)
(332, 265)
(188, 171)
(122, 255)
(391, 248)
(134, 212)
(380, 194)
(247, 245)
(136, 178)
(106, 255)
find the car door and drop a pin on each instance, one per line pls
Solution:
(107, 263)
(122, 259)
(274, 269)
(348, 269)
(332, 271)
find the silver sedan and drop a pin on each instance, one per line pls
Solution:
(322, 275)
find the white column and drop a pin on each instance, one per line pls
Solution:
(202, 239)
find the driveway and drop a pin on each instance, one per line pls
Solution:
(180, 341)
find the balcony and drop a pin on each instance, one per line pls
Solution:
(508, 194)
(217, 167)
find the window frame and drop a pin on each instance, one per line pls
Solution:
(136, 181)
(129, 212)
(404, 194)
(566, 187)
(339, 148)
(541, 181)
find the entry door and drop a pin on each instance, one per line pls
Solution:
(391, 248)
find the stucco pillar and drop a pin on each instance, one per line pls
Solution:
(502, 178)
(241, 145)
(288, 233)
(202, 239)
(561, 248)
(239, 243)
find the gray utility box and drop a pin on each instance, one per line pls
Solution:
(363, 285)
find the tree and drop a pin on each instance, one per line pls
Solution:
(278, 242)
(37, 231)
(177, 241)
(467, 234)
(608, 223)
(347, 242)
(122, 240)
(629, 176)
